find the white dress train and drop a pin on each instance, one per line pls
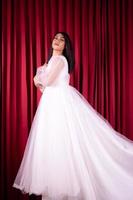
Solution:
(72, 152)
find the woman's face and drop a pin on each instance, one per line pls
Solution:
(58, 42)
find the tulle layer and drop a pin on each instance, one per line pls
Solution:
(73, 153)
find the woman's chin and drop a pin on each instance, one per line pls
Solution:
(56, 48)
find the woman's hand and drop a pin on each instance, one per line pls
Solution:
(38, 84)
(41, 88)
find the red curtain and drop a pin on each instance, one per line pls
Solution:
(102, 36)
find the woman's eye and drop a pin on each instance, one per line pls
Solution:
(59, 39)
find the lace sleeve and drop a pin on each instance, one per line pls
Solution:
(40, 72)
(57, 65)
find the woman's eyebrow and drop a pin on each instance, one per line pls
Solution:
(60, 37)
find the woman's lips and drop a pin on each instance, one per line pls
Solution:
(56, 44)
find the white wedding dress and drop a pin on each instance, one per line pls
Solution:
(72, 152)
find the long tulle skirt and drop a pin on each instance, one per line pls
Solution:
(73, 153)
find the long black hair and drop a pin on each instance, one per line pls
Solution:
(67, 52)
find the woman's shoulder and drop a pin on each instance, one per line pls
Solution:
(59, 57)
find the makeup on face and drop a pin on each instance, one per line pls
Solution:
(58, 42)
(59, 38)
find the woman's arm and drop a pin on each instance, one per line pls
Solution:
(45, 78)
(37, 78)
(56, 67)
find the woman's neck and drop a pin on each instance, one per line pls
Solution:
(57, 53)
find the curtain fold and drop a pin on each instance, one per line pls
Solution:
(102, 35)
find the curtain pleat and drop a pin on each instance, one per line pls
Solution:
(102, 36)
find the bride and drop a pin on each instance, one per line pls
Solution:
(72, 152)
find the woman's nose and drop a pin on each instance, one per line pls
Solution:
(58, 40)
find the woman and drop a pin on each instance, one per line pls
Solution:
(72, 152)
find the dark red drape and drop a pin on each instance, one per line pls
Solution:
(102, 36)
